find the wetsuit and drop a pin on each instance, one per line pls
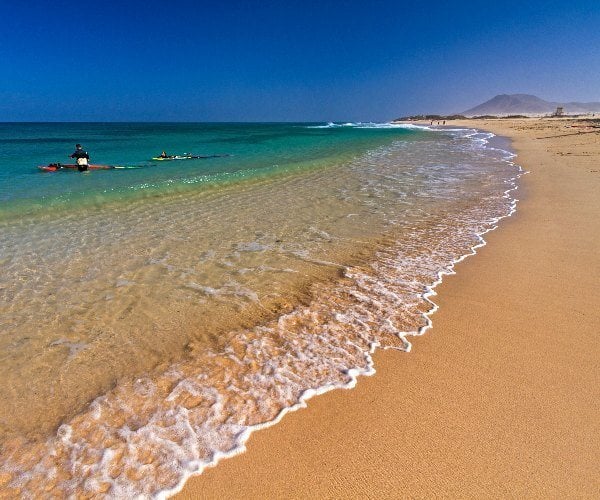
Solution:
(82, 158)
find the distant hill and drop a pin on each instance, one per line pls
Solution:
(525, 104)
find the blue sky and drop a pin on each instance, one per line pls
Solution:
(288, 60)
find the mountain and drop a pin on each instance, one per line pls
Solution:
(525, 104)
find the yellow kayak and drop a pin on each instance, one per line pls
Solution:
(177, 157)
(184, 157)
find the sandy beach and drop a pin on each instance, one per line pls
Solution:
(501, 398)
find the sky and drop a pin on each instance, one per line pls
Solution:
(288, 60)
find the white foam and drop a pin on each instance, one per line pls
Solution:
(384, 125)
(354, 373)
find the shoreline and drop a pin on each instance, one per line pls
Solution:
(318, 451)
(148, 405)
(369, 371)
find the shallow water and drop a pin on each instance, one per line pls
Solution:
(143, 336)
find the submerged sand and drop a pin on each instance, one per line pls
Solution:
(502, 396)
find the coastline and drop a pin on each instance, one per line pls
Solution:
(499, 397)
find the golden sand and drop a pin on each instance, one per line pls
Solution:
(501, 398)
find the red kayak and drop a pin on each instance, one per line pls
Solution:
(53, 167)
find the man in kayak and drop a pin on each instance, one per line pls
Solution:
(82, 158)
(164, 155)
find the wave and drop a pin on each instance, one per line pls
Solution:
(362, 125)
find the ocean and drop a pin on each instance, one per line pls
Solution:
(153, 315)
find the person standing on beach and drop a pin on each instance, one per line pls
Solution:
(81, 157)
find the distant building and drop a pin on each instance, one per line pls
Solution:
(559, 111)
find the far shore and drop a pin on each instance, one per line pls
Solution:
(502, 397)
(493, 118)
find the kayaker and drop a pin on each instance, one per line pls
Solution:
(164, 155)
(81, 157)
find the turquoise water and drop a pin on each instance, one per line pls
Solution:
(251, 150)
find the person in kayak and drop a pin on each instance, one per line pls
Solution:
(164, 155)
(81, 157)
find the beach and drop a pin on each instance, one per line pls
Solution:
(239, 259)
(501, 397)
(158, 320)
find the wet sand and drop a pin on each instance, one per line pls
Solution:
(501, 397)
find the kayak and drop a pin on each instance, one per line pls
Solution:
(53, 167)
(177, 157)
(186, 157)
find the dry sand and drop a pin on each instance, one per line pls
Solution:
(502, 397)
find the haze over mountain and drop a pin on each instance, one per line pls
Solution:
(511, 104)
